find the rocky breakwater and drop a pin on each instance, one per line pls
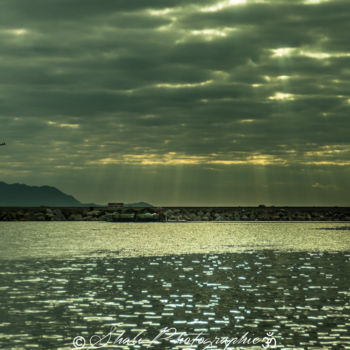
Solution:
(80, 214)
(260, 213)
(175, 214)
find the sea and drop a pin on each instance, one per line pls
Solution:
(198, 285)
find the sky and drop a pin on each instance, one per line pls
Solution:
(181, 102)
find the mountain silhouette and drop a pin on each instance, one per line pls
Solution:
(20, 195)
(139, 204)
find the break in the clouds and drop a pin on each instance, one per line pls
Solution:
(178, 102)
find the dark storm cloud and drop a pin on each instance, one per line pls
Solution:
(211, 87)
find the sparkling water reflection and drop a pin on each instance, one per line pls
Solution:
(302, 297)
(87, 239)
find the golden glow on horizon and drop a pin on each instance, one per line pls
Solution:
(328, 150)
(173, 158)
(325, 155)
(328, 162)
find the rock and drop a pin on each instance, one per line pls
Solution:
(39, 217)
(167, 214)
(236, 216)
(252, 216)
(49, 214)
(126, 216)
(209, 214)
(194, 217)
(148, 217)
(187, 217)
(94, 218)
(94, 213)
(58, 214)
(111, 216)
(76, 217)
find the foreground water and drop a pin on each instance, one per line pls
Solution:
(61, 282)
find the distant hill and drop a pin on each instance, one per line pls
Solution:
(20, 195)
(139, 204)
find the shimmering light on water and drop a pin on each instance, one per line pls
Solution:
(224, 287)
(73, 239)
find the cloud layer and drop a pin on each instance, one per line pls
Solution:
(148, 95)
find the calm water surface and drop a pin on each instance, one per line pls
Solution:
(62, 280)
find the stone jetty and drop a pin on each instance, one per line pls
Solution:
(175, 214)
